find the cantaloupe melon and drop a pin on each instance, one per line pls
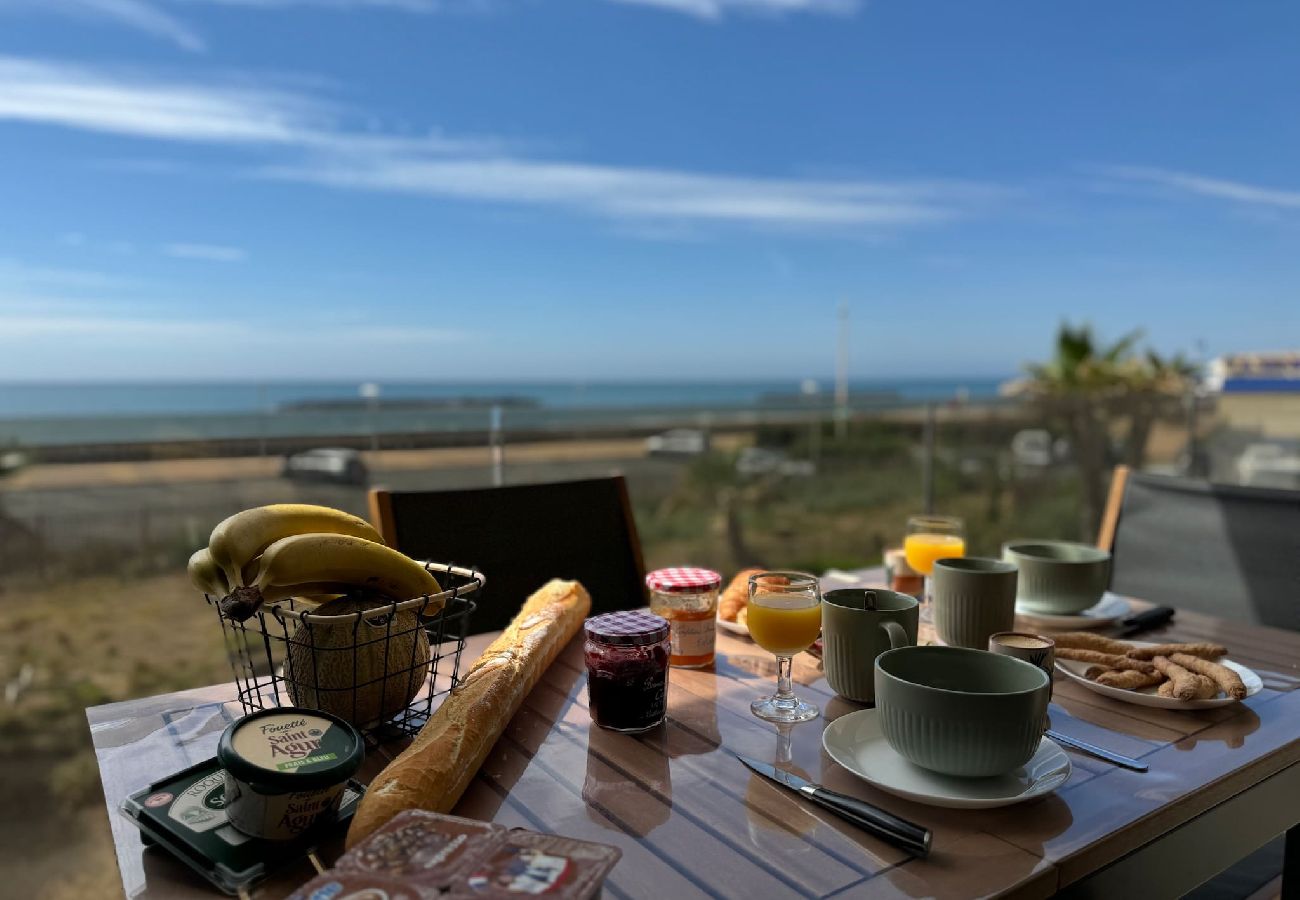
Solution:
(363, 671)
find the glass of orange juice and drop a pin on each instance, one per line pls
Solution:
(784, 615)
(932, 538)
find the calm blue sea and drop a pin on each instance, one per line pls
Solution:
(37, 414)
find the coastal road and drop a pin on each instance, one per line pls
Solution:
(86, 510)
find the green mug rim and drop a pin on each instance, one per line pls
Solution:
(1100, 554)
(914, 603)
(987, 565)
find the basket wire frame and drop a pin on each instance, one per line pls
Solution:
(282, 649)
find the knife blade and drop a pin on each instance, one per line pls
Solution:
(884, 825)
(1100, 752)
(1146, 620)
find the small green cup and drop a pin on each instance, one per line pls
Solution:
(857, 626)
(973, 599)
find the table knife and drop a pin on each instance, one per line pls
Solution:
(884, 825)
(1099, 752)
(1146, 620)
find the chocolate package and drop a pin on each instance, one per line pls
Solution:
(426, 856)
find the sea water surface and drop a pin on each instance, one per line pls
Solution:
(36, 414)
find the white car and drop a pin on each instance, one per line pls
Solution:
(678, 442)
(1269, 465)
(326, 464)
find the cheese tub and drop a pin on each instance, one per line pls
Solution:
(286, 768)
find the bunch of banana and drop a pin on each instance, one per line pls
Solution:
(286, 550)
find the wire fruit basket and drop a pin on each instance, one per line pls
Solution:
(382, 664)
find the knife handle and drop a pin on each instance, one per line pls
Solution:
(1147, 620)
(886, 826)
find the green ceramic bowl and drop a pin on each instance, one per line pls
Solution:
(1058, 577)
(959, 711)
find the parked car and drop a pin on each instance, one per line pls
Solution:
(1269, 465)
(337, 464)
(678, 442)
(759, 461)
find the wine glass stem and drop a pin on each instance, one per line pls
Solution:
(784, 688)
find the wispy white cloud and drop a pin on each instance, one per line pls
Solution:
(1206, 186)
(18, 275)
(134, 103)
(311, 144)
(69, 319)
(715, 10)
(136, 14)
(641, 193)
(414, 6)
(127, 103)
(206, 252)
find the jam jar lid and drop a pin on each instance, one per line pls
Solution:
(627, 629)
(683, 580)
(289, 748)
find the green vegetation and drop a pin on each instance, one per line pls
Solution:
(1106, 399)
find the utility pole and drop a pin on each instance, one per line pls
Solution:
(842, 374)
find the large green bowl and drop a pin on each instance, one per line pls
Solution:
(1058, 577)
(959, 711)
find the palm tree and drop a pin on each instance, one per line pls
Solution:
(1107, 398)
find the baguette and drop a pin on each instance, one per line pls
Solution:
(436, 769)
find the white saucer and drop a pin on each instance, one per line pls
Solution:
(733, 627)
(1073, 670)
(1111, 608)
(856, 742)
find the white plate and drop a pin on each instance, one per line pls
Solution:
(1110, 608)
(856, 742)
(733, 627)
(1074, 669)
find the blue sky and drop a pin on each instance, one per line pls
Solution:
(637, 188)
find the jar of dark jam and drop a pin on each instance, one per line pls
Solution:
(627, 670)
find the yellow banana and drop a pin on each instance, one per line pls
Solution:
(206, 575)
(239, 539)
(332, 559)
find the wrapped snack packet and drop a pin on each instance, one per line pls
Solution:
(421, 855)
(527, 863)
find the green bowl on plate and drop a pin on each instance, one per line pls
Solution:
(961, 712)
(1058, 577)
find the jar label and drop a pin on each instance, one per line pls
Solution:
(693, 637)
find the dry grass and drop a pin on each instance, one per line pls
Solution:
(83, 643)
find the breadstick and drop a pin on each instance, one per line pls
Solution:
(1105, 659)
(1095, 671)
(1224, 677)
(1206, 651)
(1130, 679)
(1205, 688)
(1086, 640)
(1184, 682)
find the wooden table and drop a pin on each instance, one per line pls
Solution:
(692, 821)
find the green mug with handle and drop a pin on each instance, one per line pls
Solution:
(859, 624)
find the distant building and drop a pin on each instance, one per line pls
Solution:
(1258, 392)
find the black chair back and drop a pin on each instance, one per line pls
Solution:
(1229, 551)
(520, 537)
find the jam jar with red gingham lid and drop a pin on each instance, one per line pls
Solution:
(627, 670)
(688, 598)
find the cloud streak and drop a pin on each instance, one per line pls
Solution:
(206, 252)
(307, 142)
(642, 193)
(715, 10)
(138, 15)
(1191, 184)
